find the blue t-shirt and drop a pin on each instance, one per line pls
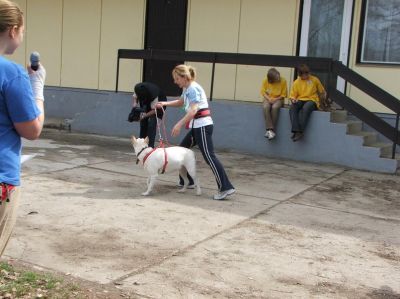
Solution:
(17, 104)
(195, 94)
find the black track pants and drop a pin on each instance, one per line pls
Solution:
(203, 138)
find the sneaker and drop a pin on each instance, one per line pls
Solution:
(192, 186)
(267, 134)
(271, 135)
(223, 194)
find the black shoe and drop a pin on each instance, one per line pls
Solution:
(298, 136)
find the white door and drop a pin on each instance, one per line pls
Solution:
(325, 30)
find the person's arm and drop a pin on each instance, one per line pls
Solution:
(188, 117)
(175, 103)
(321, 90)
(293, 93)
(134, 100)
(147, 114)
(263, 90)
(32, 129)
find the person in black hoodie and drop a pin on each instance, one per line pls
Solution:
(146, 95)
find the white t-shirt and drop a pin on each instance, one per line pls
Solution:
(195, 94)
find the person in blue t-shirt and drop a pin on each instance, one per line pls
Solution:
(200, 124)
(21, 113)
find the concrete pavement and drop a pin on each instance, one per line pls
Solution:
(293, 230)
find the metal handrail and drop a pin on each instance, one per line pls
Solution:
(326, 65)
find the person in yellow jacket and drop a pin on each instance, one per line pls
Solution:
(273, 91)
(305, 97)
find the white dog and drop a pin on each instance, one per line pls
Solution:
(153, 160)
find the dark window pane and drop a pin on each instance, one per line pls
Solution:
(381, 39)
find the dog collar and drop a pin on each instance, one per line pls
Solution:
(137, 160)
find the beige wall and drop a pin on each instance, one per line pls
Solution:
(122, 27)
(78, 42)
(44, 32)
(240, 26)
(215, 29)
(386, 77)
(266, 27)
(20, 54)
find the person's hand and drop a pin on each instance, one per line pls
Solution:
(159, 105)
(37, 79)
(294, 100)
(143, 115)
(176, 130)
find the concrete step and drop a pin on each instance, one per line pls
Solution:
(385, 149)
(353, 126)
(338, 116)
(369, 137)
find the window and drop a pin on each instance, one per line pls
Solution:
(380, 34)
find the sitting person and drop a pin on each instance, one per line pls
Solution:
(273, 91)
(305, 97)
(147, 94)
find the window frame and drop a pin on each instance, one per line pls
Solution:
(360, 44)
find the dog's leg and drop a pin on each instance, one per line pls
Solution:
(183, 174)
(191, 169)
(197, 182)
(150, 184)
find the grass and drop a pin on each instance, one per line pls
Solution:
(27, 284)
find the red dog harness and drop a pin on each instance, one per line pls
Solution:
(149, 153)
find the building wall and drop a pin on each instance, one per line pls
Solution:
(241, 26)
(386, 77)
(78, 42)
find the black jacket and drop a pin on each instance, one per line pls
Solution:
(146, 92)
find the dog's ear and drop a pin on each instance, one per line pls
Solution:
(146, 140)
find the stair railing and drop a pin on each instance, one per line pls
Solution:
(331, 67)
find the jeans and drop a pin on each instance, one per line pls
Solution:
(300, 113)
(148, 128)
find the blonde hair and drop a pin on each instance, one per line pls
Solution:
(185, 71)
(10, 15)
(273, 75)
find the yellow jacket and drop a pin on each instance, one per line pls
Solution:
(306, 90)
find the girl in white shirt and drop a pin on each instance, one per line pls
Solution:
(200, 124)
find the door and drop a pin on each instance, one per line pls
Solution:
(165, 29)
(325, 31)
